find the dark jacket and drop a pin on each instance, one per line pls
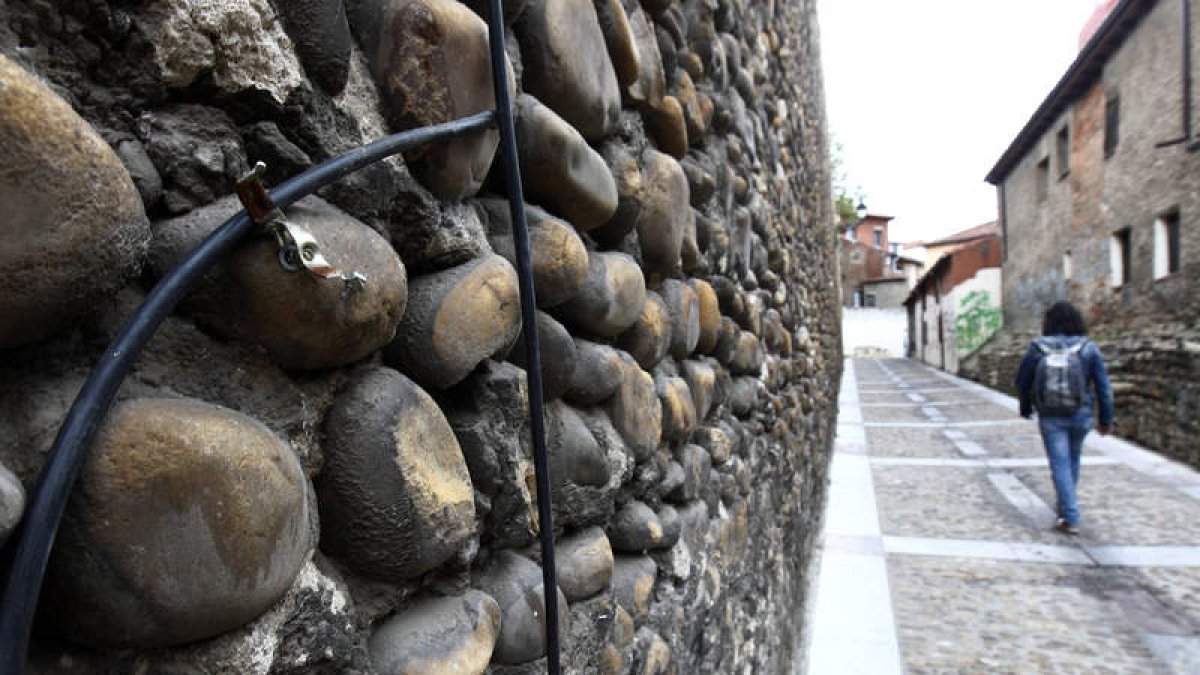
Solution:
(1093, 364)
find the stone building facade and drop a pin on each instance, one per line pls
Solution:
(1070, 203)
(312, 476)
(1100, 205)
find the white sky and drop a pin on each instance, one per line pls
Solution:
(925, 96)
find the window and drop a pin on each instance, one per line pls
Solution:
(924, 322)
(879, 237)
(869, 300)
(1043, 179)
(1166, 244)
(1067, 270)
(1062, 146)
(1112, 124)
(1119, 251)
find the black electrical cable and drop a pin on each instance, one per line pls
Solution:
(40, 523)
(533, 359)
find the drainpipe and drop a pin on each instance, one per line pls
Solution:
(1185, 47)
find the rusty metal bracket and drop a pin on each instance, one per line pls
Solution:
(298, 248)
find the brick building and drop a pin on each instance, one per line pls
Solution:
(930, 251)
(955, 306)
(1099, 198)
(874, 272)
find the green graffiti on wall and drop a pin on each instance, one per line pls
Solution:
(977, 319)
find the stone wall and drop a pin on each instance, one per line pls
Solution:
(1155, 375)
(307, 475)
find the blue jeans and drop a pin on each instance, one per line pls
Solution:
(1063, 438)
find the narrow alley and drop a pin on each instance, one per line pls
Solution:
(939, 553)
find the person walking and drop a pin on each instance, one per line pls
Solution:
(1063, 378)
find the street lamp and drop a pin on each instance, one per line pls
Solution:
(861, 212)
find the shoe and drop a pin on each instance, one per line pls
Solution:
(1063, 526)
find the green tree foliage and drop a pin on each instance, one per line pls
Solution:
(844, 199)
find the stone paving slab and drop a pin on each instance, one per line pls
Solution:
(910, 414)
(974, 410)
(1121, 507)
(982, 616)
(940, 393)
(875, 383)
(1022, 441)
(911, 443)
(922, 382)
(1176, 587)
(958, 504)
(892, 397)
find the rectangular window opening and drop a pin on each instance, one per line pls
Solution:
(1119, 262)
(1043, 179)
(878, 237)
(1067, 270)
(1063, 148)
(870, 300)
(1166, 244)
(1112, 124)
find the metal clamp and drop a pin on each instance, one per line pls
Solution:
(298, 248)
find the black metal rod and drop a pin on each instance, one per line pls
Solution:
(1186, 48)
(39, 525)
(533, 359)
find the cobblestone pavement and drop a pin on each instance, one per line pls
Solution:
(939, 554)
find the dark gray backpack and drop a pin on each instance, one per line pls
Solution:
(1060, 381)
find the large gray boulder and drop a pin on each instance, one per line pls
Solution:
(611, 299)
(188, 520)
(456, 318)
(516, 584)
(432, 66)
(395, 495)
(303, 321)
(453, 634)
(567, 66)
(559, 170)
(74, 229)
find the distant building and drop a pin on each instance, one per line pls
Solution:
(955, 306)
(874, 271)
(929, 251)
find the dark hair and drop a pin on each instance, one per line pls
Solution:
(1063, 319)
